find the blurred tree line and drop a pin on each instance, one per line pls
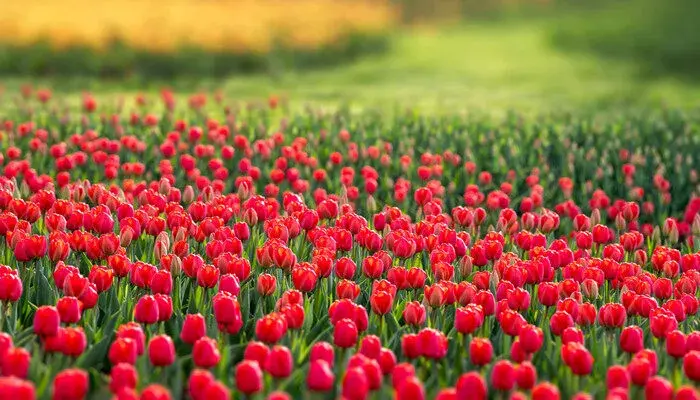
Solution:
(660, 36)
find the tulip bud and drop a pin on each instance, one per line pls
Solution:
(595, 217)
(188, 195)
(161, 351)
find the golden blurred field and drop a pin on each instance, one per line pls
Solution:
(216, 25)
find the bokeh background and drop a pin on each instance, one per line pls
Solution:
(437, 54)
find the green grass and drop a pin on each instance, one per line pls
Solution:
(486, 67)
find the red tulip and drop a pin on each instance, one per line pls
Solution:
(161, 351)
(123, 375)
(146, 310)
(74, 341)
(617, 377)
(15, 362)
(691, 365)
(545, 391)
(503, 375)
(156, 392)
(471, 386)
(525, 375)
(68, 309)
(205, 353)
(675, 344)
(411, 388)
(217, 391)
(433, 343)
(658, 388)
(15, 388)
(123, 350)
(207, 276)
(381, 302)
(355, 385)
(249, 377)
(320, 377)
(531, 338)
(480, 351)
(279, 362)
(345, 333)
(577, 358)
(266, 284)
(559, 321)
(46, 321)
(271, 328)
(70, 384)
(10, 288)
(193, 328)
(468, 319)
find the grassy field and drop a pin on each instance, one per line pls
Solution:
(489, 67)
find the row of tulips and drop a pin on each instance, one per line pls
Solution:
(214, 250)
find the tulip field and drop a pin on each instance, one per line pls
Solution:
(172, 246)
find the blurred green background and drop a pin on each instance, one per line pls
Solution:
(450, 55)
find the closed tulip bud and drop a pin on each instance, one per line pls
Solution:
(345, 333)
(46, 321)
(146, 310)
(612, 315)
(161, 351)
(355, 385)
(370, 347)
(658, 388)
(687, 393)
(640, 369)
(411, 388)
(70, 384)
(480, 351)
(545, 391)
(230, 283)
(617, 377)
(123, 350)
(227, 310)
(205, 353)
(207, 276)
(691, 365)
(68, 309)
(320, 377)
(471, 385)
(271, 328)
(531, 338)
(577, 358)
(266, 285)
(15, 362)
(525, 375)
(133, 331)
(279, 362)
(194, 328)
(559, 321)
(161, 282)
(503, 375)
(249, 377)
(675, 344)
(102, 278)
(632, 339)
(74, 341)
(468, 319)
(346, 289)
(256, 351)
(10, 288)
(414, 313)
(381, 302)
(122, 376)
(156, 392)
